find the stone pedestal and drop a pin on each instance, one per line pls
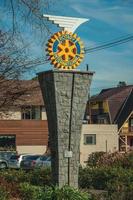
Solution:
(65, 96)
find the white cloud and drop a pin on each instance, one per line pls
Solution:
(116, 16)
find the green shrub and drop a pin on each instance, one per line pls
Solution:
(40, 177)
(94, 158)
(3, 194)
(118, 182)
(93, 178)
(85, 177)
(128, 160)
(51, 193)
(65, 193)
(100, 178)
(28, 191)
(14, 175)
(116, 159)
(121, 192)
(36, 177)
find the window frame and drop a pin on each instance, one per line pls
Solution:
(93, 139)
(31, 111)
(8, 137)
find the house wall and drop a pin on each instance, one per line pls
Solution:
(44, 115)
(30, 149)
(95, 106)
(105, 106)
(31, 135)
(12, 114)
(106, 140)
(15, 114)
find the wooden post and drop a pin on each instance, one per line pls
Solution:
(126, 143)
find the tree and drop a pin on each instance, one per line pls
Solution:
(14, 59)
(29, 14)
(13, 62)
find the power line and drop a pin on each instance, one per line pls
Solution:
(108, 45)
(111, 40)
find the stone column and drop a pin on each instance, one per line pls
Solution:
(65, 96)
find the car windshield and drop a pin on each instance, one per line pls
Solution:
(31, 157)
(43, 158)
(24, 157)
(49, 159)
(6, 155)
(15, 157)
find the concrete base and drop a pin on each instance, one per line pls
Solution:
(65, 95)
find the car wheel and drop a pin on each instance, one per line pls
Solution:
(3, 165)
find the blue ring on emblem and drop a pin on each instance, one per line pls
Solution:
(78, 47)
(55, 46)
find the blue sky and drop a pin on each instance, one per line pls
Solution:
(109, 19)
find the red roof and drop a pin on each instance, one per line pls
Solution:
(116, 97)
(107, 93)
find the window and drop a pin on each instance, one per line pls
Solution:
(102, 121)
(31, 112)
(7, 142)
(90, 139)
(100, 107)
(131, 124)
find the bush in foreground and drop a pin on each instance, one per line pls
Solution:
(94, 158)
(117, 183)
(3, 194)
(116, 159)
(28, 191)
(100, 178)
(40, 177)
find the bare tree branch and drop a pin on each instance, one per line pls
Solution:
(14, 60)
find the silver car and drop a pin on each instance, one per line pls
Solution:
(15, 161)
(3, 164)
(43, 161)
(29, 162)
(4, 157)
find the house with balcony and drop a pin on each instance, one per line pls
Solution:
(114, 106)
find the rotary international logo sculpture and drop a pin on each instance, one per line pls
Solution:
(65, 50)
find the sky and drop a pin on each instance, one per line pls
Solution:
(109, 20)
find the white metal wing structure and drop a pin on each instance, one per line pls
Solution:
(66, 23)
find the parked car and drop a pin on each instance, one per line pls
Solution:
(3, 164)
(29, 162)
(43, 161)
(15, 161)
(4, 157)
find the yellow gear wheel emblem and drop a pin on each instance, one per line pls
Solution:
(65, 50)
